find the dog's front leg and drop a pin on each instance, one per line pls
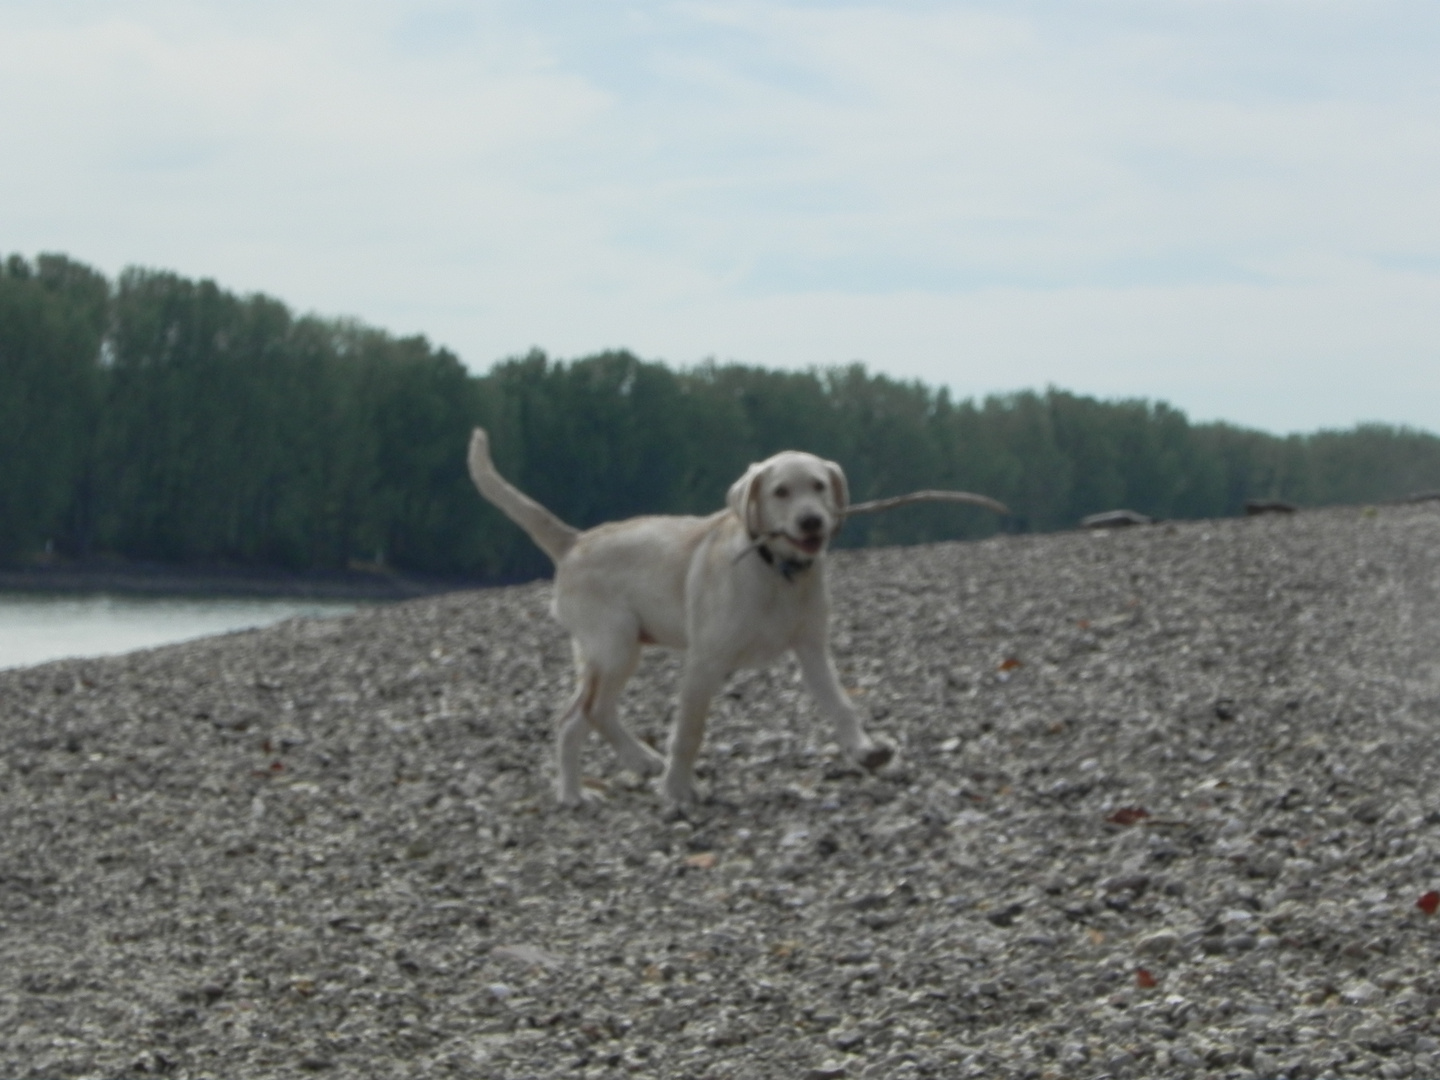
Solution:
(698, 685)
(819, 673)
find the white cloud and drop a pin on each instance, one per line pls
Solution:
(1227, 204)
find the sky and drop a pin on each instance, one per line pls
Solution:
(1229, 205)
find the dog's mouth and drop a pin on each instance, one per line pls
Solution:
(810, 545)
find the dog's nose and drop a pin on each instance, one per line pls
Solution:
(811, 523)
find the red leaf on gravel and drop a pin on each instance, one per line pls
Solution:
(277, 766)
(1145, 980)
(1010, 664)
(1429, 902)
(1128, 815)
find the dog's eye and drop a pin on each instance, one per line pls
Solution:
(819, 485)
(782, 492)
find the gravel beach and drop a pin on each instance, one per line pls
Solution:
(1165, 804)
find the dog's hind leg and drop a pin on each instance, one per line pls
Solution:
(603, 714)
(595, 705)
(610, 659)
(571, 729)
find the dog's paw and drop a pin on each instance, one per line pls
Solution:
(576, 797)
(678, 791)
(875, 756)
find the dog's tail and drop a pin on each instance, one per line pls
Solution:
(550, 534)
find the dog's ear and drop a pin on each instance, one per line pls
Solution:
(839, 491)
(744, 498)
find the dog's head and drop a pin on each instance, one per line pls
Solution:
(795, 501)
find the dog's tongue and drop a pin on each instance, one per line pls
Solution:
(811, 544)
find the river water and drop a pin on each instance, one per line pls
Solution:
(36, 627)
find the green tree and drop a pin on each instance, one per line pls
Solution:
(52, 321)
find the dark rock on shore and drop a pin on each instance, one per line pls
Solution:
(1254, 507)
(1165, 804)
(1114, 519)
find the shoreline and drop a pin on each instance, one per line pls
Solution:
(158, 579)
(364, 582)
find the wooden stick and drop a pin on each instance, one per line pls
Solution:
(928, 496)
(898, 500)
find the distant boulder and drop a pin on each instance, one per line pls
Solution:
(1268, 506)
(1113, 519)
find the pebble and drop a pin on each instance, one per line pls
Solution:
(1361, 992)
(1160, 943)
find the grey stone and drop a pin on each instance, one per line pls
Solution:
(1361, 992)
(1160, 943)
(1110, 519)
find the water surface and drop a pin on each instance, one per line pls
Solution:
(36, 627)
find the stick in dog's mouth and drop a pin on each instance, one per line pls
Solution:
(929, 496)
(812, 545)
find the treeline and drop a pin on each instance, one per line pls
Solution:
(162, 419)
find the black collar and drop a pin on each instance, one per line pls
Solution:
(788, 567)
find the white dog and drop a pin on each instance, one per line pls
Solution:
(735, 589)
